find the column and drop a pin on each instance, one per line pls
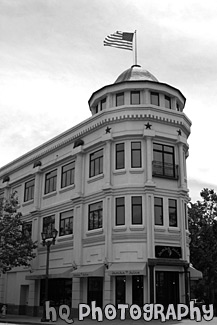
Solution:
(107, 167)
(181, 162)
(38, 189)
(79, 178)
(148, 135)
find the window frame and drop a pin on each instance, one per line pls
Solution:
(71, 173)
(134, 151)
(117, 99)
(69, 219)
(120, 155)
(119, 206)
(168, 100)
(92, 161)
(134, 92)
(98, 213)
(133, 207)
(51, 182)
(103, 104)
(154, 95)
(161, 208)
(172, 210)
(29, 191)
(162, 164)
(50, 224)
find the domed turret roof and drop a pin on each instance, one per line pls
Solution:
(136, 72)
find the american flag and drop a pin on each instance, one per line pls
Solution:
(121, 40)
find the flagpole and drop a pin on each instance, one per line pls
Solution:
(135, 50)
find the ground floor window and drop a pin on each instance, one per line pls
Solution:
(167, 288)
(137, 290)
(120, 290)
(95, 290)
(59, 292)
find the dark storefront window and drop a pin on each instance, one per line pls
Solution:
(137, 290)
(95, 291)
(59, 292)
(120, 293)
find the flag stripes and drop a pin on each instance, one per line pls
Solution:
(121, 40)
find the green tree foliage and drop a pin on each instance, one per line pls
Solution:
(16, 246)
(203, 245)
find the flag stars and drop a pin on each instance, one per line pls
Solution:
(179, 132)
(108, 130)
(148, 126)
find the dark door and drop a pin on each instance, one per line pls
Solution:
(167, 288)
(95, 291)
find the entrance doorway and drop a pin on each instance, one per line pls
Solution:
(167, 288)
(95, 291)
(24, 297)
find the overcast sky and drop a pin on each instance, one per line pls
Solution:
(52, 59)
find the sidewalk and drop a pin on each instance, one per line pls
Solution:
(20, 319)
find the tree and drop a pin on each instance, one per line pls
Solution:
(16, 246)
(203, 245)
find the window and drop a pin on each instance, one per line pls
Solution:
(120, 290)
(178, 107)
(172, 213)
(50, 181)
(48, 225)
(135, 97)
(155, 99)
(95, 216)
(120, 211)
(120, 99)
(29, 190)
(97, 109)
(96, 163)
(103, 104)
(168, 102)
(164, 161)
(137, 290)
(59, 291)
(66, 223)
(136, 159)
(68, 174)
(27, 229)
(158, 211)
(120, 163)
(136, 210)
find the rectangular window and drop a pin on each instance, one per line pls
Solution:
(137, 290)
(96, 163)
(120, 290)
(136, 157)
(155, 99)
(29, 190)
(120, 211)
(135, 97)
(164, 161)
(48, 225)
(172, 213)
(120, 99)
(66, 223)
(158, 211)
(95, 216)
(168, 102)
(136, 210)
(68, 174)
(27, 229)
(120, 161)
(103, 104)
(50, 181)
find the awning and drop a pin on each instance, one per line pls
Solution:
(127, 269)
(194, 273)
(53, 273)
(97, 270)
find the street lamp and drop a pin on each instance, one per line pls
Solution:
(47, 243)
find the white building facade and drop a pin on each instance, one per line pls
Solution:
(115, 188)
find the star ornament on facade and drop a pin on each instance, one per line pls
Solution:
(148, 126)
(179, 132)
(108, 130)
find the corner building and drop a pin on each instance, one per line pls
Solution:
(115, 188)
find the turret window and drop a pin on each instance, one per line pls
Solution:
(119, 99)
(103, 104)
(158, 211)
(164, 161)
(135, 97)
(120, 163)
(120, 211)
(172, 213)
(136, 210)
(155, 99)
(168, 102)
(136, 157)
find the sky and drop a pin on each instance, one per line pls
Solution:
(52, 59)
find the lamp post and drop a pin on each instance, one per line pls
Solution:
(47, 243)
